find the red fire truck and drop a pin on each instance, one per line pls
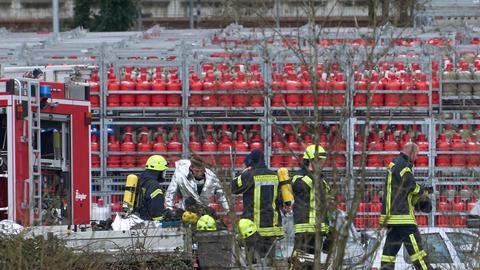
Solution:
(44, 152)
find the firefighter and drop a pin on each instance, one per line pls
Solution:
(261, 201)
(249, 234)
(150, 202)
(304, 206)
(196, 185)
(398, 211)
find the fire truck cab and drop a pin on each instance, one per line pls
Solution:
(44, 152)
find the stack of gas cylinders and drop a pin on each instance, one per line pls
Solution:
(130, 147)
(330, 84)
(395, 77)
(368, 210)
(389, 139)
(289, 142)
(458, 146)
(164, 85)
(227, 86)
(225, 145)
(454, 203)
(467, 72)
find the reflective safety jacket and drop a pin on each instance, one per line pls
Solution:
(150, 202)
(260, 190)
(304, 206)
(400, 193)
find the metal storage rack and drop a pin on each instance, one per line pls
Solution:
(158, 47)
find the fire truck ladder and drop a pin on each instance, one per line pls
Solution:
(33, 139)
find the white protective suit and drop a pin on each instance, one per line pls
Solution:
(183, 184)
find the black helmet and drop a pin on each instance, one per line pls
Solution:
(424, 204)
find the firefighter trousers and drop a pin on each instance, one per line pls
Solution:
(410, 237)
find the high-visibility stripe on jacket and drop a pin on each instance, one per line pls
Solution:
(400, 193)
(260, 189)
(304, 206)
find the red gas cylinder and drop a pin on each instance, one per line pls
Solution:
(360, 99)
(443, 205)
(277, 144)
(407, 99)
(375, 207)
(116, 206)
(113, 161)
(143, 146)
(338, 99)
(390, 144)
(375, 160)
(94, 148)
(256, 142)
(358, 144)
(225, 144)
(95, 89)
(422, 160)
(240, 83)
(226, 84)
(278, 84)
(435, 89)
(292, 144)
(194, 145)
(159, 85)
(195, 100)
(422, 85)
(209, 145)
(210, 99)
(293, 84)
(458, 160)
(277, 161)
(392, 100)
(360, 221)
(422, 220)
(143, 85)
(459, 207)
(174, 100)
(257, 86)
(159, 145)
(376, 85)
(174, 144)
(127, 100)
(113, 100)
(443, 160)
(292, 161)
(306, 84)
(128, 146)
(472, 145)
(240, 146)
(443, 221)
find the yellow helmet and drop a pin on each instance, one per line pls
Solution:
(189, 217)
(246, 228)
(206, 223)
(310, 152)
(156, 163)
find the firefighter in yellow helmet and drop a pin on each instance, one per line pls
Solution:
(247, 230)
(305, 200)
(261, 201)
(150, 200)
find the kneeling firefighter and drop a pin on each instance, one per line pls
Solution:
(247, 230)
(144, 195)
